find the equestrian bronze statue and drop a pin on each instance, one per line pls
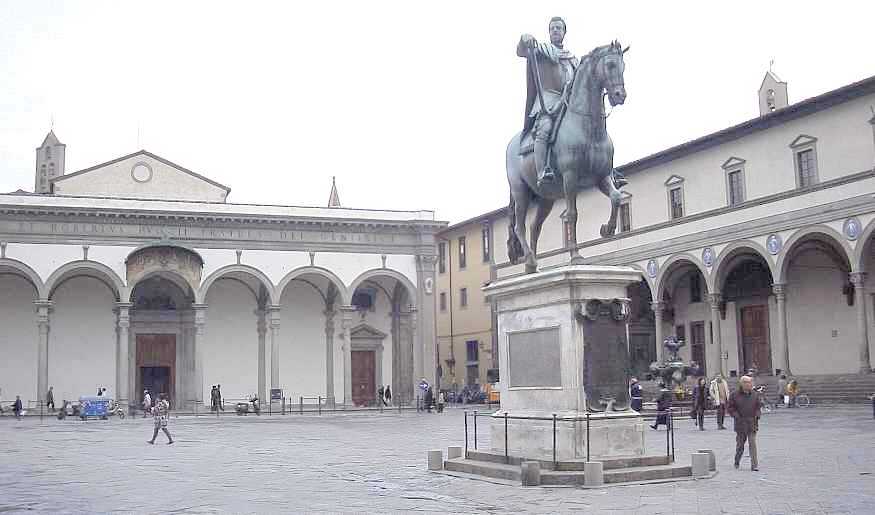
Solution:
(564, 146)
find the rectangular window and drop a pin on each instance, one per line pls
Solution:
(487, 252)
(736, 187)
(625, 217)
(443, 301)
(472, 375)
(463, 297)
(472, 351)
(462, 252)
(680, 332)
(695, 287)
(806, 168)
(676, 200)
(442, 257)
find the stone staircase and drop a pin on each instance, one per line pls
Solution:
(569, 473)
(821, 389)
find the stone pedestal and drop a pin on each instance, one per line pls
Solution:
(563, 350)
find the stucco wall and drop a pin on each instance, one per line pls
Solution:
(302, 353)
(82, 339)
(231, 341)
(18, 339)
(116, 180)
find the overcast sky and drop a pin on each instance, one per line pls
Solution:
(409, 104)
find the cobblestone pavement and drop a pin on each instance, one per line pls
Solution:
(817, 460)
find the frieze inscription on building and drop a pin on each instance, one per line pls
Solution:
(164, 258)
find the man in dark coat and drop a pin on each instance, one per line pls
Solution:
(700, 402)
(745, 407)
(663, 404)
(635, 395)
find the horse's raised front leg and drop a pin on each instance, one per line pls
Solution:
(544, 208)
(569, 180)
(521, 207)
(607, 187)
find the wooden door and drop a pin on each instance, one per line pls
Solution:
(156, 358)
(757, 352)
(364, 387)
(697, 345)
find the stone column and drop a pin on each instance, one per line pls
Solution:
(329, 355)
(261, 327)
(658, 308)
(858, 279)
(348, 312)
(403, 386)
(426, 329)
(200, 322)
(418, 372)
(714, 300)
(122, 362)
(274, 316)
(780, 291)
(42, 371)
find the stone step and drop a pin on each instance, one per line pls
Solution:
(569, 465)
(568, 477)
(484, 468)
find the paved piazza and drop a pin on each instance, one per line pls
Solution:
(818, 460)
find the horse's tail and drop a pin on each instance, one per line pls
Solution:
(514, 248)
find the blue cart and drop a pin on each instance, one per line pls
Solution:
(93, 406)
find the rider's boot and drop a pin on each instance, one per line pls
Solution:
(545, 172)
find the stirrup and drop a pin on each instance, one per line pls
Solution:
(548, 176)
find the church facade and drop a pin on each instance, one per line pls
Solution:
(138, 274)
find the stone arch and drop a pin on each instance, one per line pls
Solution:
(822, 232)
(16, 267)
(673, 264)
(737, 248)
(230, 271)
(644, 277)
(864, 242)
(170, 275)
(385, 272)
(315, 270)
(87, 268)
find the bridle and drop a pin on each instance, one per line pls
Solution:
(605, 89)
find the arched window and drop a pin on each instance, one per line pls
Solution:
(48, 152)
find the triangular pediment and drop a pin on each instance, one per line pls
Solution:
(367, 331)
(733, 162)
(802, 140)
(141, 175)
(673, 180)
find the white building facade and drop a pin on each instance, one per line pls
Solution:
(137, 274)
(755, 242)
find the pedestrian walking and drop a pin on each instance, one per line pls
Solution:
(744, 406)
(50, 399)
(161, 415)
(791, 393)
(17, 408)
(701, 398)
(213, 404)
(219, 401)
(380, 393)
(388, 395)
(663, 404)
(440, 402)
(782, 389)
(719, 391)
(635, 393)
(429, 398)
(147, 403)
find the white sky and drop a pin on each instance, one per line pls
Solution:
(409, 104)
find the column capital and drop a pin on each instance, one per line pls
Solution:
(780, 291)
(124, 305)
(858, 279)
(715, 299)
(43, 303)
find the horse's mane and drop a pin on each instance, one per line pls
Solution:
(599, 51)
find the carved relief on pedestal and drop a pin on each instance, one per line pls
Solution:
(165, 258)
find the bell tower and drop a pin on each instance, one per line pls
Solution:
(49, 162)
(773, 94)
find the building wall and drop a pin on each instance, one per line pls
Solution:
(18, 339)
(302, 354)
(82, 339)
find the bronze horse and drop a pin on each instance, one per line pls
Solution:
(582, 155)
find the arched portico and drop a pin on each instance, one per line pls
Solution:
(21, 338)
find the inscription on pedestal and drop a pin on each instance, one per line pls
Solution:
(534, 358)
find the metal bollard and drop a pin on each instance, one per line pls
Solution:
(475, 430)
(284, 405)
(319, 401)
(301, 405)
(465, 414)
(587, 437)
(554, 441)
(506, 458)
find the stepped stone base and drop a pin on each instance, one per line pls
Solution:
(570, 473)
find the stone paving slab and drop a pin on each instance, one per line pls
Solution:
(817, 460)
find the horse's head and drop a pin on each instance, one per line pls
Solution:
(609, 70)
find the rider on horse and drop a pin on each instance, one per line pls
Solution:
(556, 66)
